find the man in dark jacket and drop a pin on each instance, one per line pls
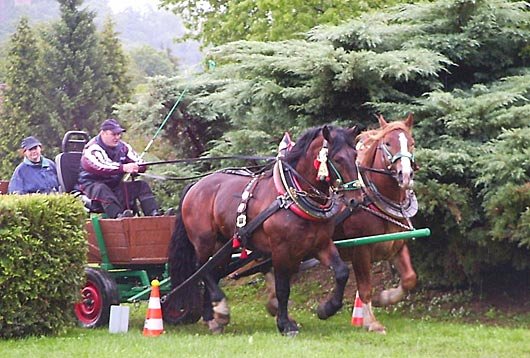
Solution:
(36, 173)
(104, 162)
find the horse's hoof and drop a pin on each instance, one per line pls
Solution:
(377, 328)
(384, 298)
(215, 327)
(289, 328)
(221, 312)
(327, 309)
(390, 296)
(221, 319)
(291, 334)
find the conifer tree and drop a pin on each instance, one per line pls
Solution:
(460, 65)
(114, 66)
(22, 112)
(75, 75)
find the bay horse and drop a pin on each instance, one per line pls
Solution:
(386, 168)
(286, 212)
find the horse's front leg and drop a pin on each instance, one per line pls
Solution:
(286, 325)
(362, 267)
(331, 258)
(408, 279)
(221, 310)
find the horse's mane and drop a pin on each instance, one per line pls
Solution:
(340, 139)
(302, 145)
(371, 136)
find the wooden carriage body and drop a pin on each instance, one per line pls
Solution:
(131, 241)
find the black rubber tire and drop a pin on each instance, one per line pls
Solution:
(98, 294)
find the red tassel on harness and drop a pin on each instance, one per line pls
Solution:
(316, 164)
(244, 254)
(236, 243)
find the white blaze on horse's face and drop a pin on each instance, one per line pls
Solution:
(405, 175)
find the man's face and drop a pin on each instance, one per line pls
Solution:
(33, 153)
(110, 139)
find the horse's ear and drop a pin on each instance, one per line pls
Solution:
(353, 132)
(326, 133)
(382, 121)
(410, 120)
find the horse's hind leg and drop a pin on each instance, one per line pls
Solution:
(407, 276)
(218, 314)
(329, 307)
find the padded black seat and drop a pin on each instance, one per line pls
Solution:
(69, 165)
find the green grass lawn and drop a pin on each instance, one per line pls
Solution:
(252, 332)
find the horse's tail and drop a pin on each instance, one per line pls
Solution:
(182, 261)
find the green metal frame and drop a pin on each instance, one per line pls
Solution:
(403, 235)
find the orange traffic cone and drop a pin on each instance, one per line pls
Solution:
(357, 314)
(154, 325)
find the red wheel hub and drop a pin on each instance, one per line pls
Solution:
(89, 309)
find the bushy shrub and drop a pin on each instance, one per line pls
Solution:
(42, 257)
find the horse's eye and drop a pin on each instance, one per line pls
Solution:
(388, 144)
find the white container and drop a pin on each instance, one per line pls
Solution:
(119, 319)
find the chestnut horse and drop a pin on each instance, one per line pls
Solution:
(386, 168)
(287, 212)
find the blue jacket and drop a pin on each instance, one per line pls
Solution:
(29, 177)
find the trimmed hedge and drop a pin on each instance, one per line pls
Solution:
(43, 252)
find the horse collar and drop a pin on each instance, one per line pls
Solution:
(403, 210)
(301, 205)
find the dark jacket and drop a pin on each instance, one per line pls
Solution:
(30, 177)
(100, 163)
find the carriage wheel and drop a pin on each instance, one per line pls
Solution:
(98, 294)
(178, 316)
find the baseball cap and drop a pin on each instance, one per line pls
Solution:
(111, 125)
(30, 142)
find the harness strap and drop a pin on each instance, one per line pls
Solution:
(226, 249)
(241, 219)
(244, 233)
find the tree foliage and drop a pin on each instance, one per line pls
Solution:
(64, 77)
(149, 62)
(115, 67)
(215, 22)
(74, 73)
(21, 114)
(460, 66)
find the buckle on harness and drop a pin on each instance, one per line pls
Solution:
(241, 220)
(284, 202)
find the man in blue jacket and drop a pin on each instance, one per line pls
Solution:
(36, 173)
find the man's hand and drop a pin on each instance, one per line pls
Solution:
(130, 168)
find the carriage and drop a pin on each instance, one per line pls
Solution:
(126, 254)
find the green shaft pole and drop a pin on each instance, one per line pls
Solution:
(403, 235)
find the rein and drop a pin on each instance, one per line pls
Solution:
(193, 160)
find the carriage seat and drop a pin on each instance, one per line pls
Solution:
(69, 165)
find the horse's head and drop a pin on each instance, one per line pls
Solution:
(390, 148)
(326, 158)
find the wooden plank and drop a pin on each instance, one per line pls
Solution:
(137, 240)
(4, 184)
